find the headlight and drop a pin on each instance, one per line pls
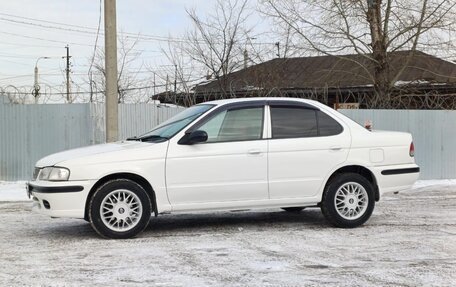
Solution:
(44, 173)
(54, 174)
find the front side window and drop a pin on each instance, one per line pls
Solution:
(297, 122)
(235, 125)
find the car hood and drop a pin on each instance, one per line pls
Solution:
(72, 154)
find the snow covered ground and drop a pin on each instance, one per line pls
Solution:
(409, 241)
(13, 191)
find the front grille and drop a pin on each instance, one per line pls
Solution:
(36, 171)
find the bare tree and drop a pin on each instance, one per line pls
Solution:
(180, 74)
(286, 40)
(127, 76)
(371, 28)
(217, 42)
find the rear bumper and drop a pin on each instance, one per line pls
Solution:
(396, 177)
(59, 199)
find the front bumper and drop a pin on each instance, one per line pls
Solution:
(59, 199)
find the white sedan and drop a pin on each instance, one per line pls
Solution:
(229, 155)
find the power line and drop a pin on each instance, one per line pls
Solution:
(42, 39)
(45, 26)
(63, 42)
(46, 21)
(130, 35)
(94, 31)
(23, 56)
(16, 77)
(41, 74)
(59, 47)
(28, 45)
(141, 36)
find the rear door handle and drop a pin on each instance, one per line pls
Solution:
(254, 151)
(335, 148)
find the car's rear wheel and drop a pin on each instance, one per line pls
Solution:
(120, 209)
(293, 209)
(348, 200)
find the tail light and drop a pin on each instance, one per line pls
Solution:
(412, 150)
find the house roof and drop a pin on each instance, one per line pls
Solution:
(335, 72)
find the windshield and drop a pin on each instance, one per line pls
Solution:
(173, 125)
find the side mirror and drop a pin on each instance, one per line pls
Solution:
(194, 137)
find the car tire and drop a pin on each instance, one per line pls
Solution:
(293, 209)
(348, 200)
(120, 209)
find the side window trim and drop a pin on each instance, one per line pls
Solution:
(267, 123)
(291, 104)
(206, 118)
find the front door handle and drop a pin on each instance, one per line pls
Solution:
(254, 151)
(335, 148)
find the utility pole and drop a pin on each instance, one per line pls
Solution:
(154, 85)
(246, 58)
(91, 86)
(246, 53)
(278, 49)
(111, 101)
(36, 86)
(67, 71)
(175, 79)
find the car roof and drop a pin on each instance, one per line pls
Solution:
(243, 100)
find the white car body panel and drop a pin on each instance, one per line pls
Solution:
(84, 151)
(91, 164)
(231, 175)
(71, 204)
(193, 172)
(297, 167)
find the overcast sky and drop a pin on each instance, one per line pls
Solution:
(24, 40)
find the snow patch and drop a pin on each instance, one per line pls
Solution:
(417, 82)
(13, 191)
(433, 182)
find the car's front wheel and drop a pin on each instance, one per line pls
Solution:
(348, 200)
(120, 209)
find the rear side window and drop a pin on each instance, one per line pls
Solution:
(297, 122)
(290, 122)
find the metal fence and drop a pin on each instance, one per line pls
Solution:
(134, 119)
(30, 132)
(433, 133)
